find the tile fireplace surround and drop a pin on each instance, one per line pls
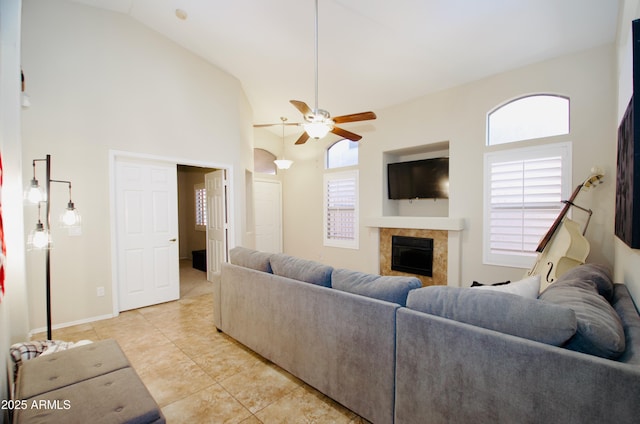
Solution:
(440, 252)
(446, 235)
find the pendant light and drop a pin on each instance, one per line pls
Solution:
(283, 163)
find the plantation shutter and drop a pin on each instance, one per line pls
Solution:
(201, 206)
(341, 209)
(524, 198)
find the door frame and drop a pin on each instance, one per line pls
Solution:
(113, 156)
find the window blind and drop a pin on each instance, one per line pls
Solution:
(201, 206)
(341, 212)
(525, 199)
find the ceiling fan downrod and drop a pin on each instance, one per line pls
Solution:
(315, 110)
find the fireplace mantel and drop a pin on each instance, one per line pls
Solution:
(415, 222)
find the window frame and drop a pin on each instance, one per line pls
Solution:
(513, 102)
(352, 243)
(328, 154)
(562, 149)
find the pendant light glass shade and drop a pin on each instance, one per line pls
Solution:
(35, 194)
(283, 163)
(70, 217)
(39, 238)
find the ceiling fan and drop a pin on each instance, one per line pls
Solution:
(318, 122)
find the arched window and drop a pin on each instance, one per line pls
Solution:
(263, 161)
(524, 187)
(342, 153)
(526, 118)
(340, 196)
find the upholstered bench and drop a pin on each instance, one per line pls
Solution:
(94, 383)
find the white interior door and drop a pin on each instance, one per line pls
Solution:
(217, 221)
(268, 215)
(147, 232)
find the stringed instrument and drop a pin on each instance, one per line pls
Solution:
(564, 245)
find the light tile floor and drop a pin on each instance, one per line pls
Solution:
(198, 375)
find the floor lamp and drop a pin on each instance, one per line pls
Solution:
(40, 237)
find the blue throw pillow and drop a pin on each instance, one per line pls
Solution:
(250, 258)
(389, 288)
(301, 269)
(504, 312)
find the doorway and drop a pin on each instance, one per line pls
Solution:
(141, 271)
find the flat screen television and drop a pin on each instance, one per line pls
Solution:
(419, 179)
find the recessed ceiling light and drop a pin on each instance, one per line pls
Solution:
(181, 14)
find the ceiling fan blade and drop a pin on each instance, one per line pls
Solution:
(362, 116)
(302, 107)
(291, 124)
(303, 138)
(346, 134)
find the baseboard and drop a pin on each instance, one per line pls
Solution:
(70, 324)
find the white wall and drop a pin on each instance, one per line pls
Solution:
(458, 116)
(13, 305)
(627, 263)
(100, 81)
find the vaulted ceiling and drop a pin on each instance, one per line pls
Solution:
(372, 53)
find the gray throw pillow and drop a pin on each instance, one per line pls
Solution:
(504, 312)
(301, 269)
(250, 258)
(390, 288)
(600, 330)
(597, 274)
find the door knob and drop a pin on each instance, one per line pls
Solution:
(172, 240)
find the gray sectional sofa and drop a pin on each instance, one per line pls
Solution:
(393, 351)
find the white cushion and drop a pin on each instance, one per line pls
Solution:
(527, 287)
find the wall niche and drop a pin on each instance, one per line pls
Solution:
(414, 207)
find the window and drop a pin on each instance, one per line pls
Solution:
(201, 207)
(529, 117)
(342, 153)
(341, 209)
(263, 162)
(524, 189)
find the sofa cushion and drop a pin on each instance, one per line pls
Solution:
(600, 330)
(301, 269)
(504, 312)
(598, 275)
(250, 258)
(527, 287)
(390, 288)
(115, 397)
(64, 368)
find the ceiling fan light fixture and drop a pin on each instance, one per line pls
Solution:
(317, 129)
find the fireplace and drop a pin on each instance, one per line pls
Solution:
(412, 254)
